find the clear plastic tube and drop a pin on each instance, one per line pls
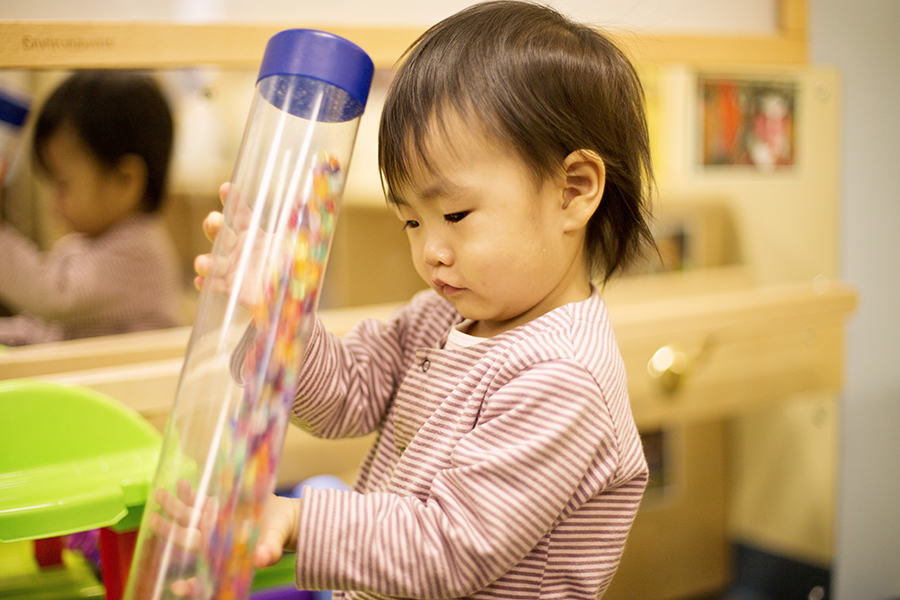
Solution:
(225, 432)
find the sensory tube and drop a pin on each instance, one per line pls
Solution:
(225, 432)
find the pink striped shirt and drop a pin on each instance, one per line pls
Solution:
(507, 469)
(127, 279)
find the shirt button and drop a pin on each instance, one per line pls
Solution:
(426, 364)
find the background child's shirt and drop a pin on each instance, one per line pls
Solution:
(128, 279)
(509, 468)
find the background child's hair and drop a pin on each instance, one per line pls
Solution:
(115, 113)
(543, 84)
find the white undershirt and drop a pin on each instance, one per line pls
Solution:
(457, 339)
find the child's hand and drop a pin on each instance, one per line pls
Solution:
(175, 527)
(212, 225)
(280, 521)
(220, 271)
(278, 528)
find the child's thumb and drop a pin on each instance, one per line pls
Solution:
(269, 549)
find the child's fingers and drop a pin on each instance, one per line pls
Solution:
(187, 588)
(212, 225)
(213, 272)
(208, 506)
(215, 265)
(174, 509)
(169, 531)
(162, 527)
(241, 215)
(223, 191)
(186, 493)
(202, 267)
(268, 550)
(209, 514)
(229, 231)
(199, 282)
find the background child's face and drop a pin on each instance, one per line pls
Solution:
(85, 194)
(485, 237)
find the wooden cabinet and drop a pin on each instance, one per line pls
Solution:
(731, 353)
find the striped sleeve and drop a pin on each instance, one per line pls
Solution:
(347, 384)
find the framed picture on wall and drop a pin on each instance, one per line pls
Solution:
(746, 122)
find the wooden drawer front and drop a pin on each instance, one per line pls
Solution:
(728, 377)
(746, 348)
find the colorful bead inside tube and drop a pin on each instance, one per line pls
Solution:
(245, 467)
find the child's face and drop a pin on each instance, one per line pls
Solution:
(85, 194)
(486, 238)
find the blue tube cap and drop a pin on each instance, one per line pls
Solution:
(319, 55)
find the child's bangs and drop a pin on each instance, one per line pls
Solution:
(422, 140)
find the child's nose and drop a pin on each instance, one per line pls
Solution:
(436, 251)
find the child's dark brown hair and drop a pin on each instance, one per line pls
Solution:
(542, 84)
(115, 113)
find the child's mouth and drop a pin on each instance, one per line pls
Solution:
(446, 289)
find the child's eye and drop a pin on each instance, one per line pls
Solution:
(410, 225)
(456, 217)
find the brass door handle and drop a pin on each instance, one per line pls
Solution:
(670, 364)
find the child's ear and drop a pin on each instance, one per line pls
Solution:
(131, 173)
(583, 187)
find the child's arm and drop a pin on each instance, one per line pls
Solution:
(78, 278)
(347, 383)
(40, 283)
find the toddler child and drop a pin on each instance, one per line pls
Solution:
(104, 140)
(514, 150)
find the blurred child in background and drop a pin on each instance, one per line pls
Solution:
(103, 139)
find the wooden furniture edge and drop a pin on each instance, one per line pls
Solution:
(747, 308)
(159, 45)
(744, 308)
(140, 347)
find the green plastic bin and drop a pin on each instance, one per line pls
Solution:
(71, 459)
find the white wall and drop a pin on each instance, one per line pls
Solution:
(720, 16)
(863, 40)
